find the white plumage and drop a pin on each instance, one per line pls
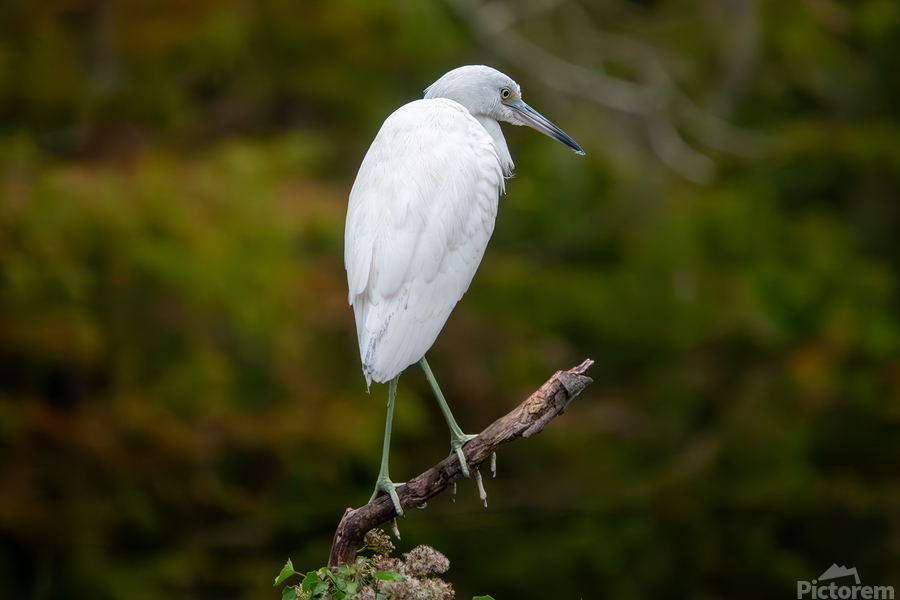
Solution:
(420, 216)
(421, 212)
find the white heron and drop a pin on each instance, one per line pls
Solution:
(420, 215)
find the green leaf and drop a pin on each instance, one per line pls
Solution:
(482, 598)
(310, 582)
(340, 577)
(290, 593)
(321, 590)
(286, 572)
(387, 576)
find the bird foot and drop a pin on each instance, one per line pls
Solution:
(456, 445)
(388, 487)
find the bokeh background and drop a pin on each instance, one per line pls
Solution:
(181, 404)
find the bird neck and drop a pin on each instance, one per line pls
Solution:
(493, 128)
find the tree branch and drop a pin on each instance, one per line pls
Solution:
(525, 420)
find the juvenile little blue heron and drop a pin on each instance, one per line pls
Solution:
(421, 212)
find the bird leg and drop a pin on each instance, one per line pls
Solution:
(457, 437)
(384, 483)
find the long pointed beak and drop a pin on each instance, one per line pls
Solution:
(537, 121)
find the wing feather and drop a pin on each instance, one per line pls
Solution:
(421, 212)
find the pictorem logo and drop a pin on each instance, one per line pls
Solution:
(815, 590)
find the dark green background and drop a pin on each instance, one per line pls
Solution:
(181, 404)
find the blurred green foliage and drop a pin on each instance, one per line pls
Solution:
(181, 405)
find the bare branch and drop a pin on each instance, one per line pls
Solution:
(525, 420)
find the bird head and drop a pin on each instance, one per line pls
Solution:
(486, 92)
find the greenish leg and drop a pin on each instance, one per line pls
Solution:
(384, 483)
(457, 437)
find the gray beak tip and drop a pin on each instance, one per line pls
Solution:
(530, 117)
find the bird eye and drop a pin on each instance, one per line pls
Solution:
(505, 93)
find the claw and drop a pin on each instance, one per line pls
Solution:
(388, 487)
(456, 444)
(481, 493)
(462, 462)
(394, 528)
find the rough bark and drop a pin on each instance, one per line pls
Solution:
(525, 420)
